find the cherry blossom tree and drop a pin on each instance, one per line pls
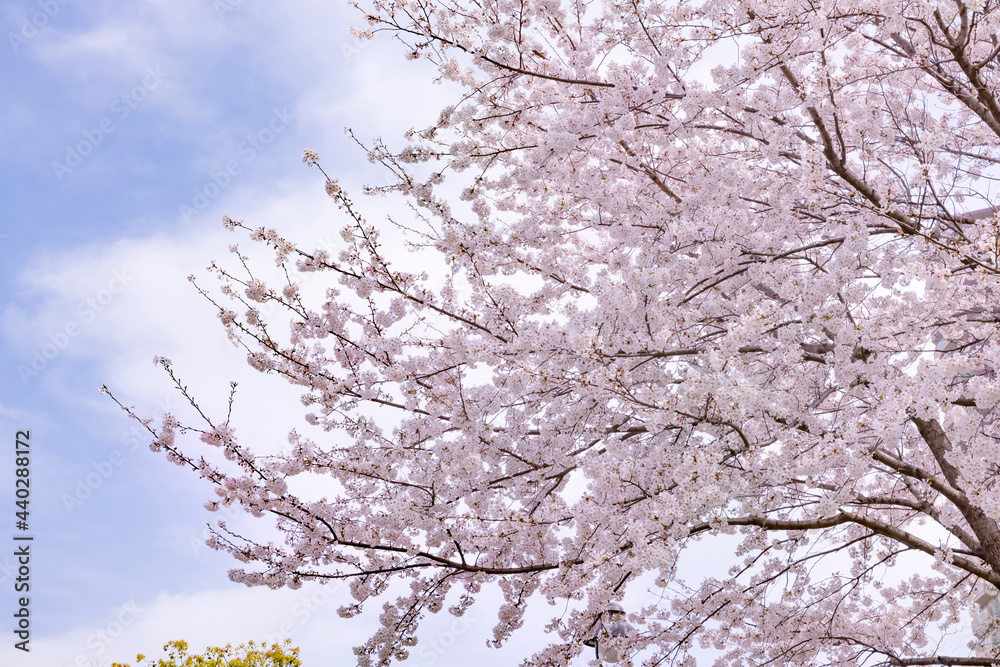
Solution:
(719, 270)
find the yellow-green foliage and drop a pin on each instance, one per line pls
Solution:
(244, 655)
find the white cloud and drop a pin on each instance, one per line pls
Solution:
(206, 618)
(308, 617)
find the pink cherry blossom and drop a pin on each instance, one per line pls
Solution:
(718, 269)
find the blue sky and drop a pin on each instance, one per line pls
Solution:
(127, 130)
